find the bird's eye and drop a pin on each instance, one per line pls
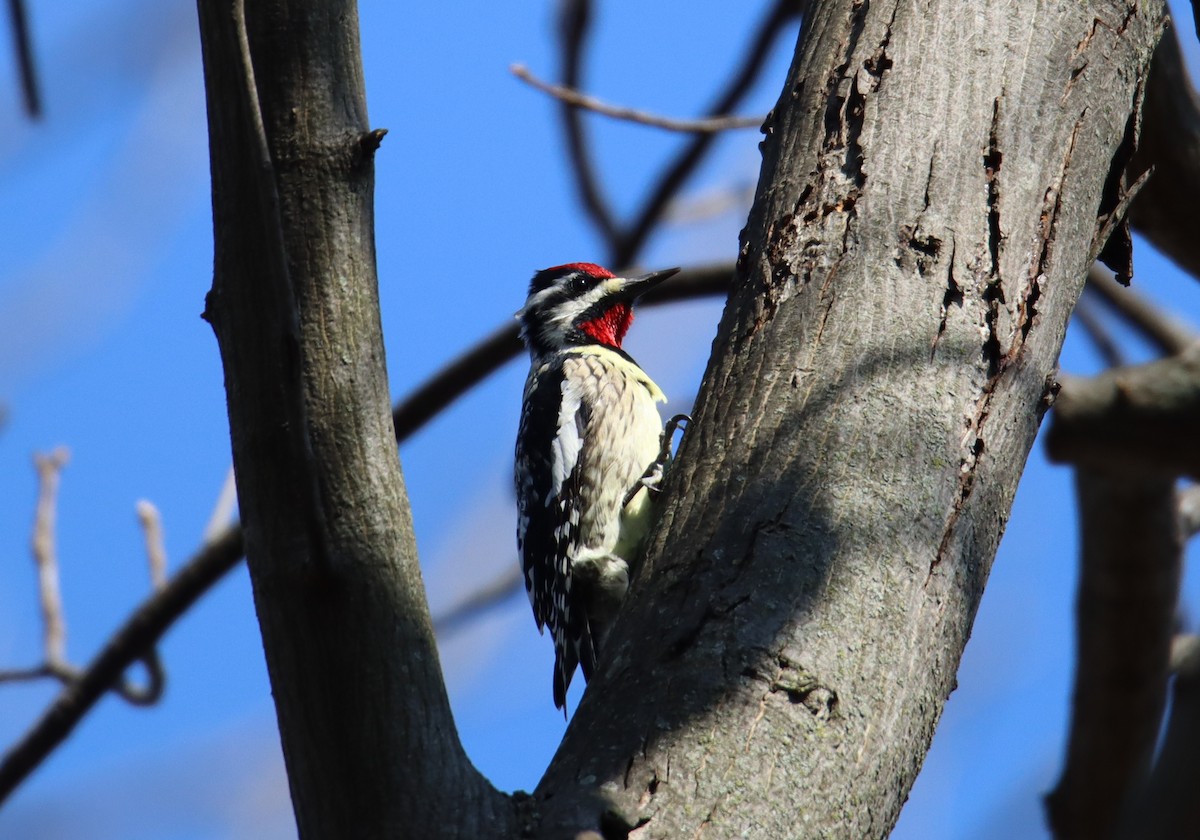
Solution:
(580, 283)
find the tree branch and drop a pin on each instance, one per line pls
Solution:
(1141, 419)
(346, 629)
(1130, 563)
(509, 583)
(1102, 339)
(571, 96)
(626, 248)
(135, 637)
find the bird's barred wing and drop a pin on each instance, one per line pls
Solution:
(549, 506)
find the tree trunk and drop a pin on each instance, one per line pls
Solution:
(368, 739)
(936, 180)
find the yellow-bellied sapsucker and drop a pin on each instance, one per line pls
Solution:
(588, 452)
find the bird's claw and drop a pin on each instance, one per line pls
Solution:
(653, 477)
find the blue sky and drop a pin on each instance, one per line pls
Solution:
(107, 257)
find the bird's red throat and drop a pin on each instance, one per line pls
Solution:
(609, 327)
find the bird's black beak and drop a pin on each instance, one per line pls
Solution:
(631, 288)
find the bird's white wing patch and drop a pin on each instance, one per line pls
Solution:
(568, 442)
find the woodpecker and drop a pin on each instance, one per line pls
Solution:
(589, 451)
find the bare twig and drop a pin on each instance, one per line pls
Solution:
(574, 22)
(141, 630)
(735, 197)
(54, 626)
(1167, 333)
(156, 552)
(38, 672)
(23, 46)
(156, 556)
(56, 665)
(571, 96)
(676, 174)
(222, 514)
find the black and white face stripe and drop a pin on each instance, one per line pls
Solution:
(561, 299)
(551, 318)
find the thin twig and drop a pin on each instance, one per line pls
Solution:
(38, 672)
(23, 46)
(571, 96)
(141, 630)
(702, 208)
(56, 664)
(222, 514)
(54, 625)
(156, 557)
(156, 552)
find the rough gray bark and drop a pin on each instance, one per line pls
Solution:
(328, 535)
(933, 185)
